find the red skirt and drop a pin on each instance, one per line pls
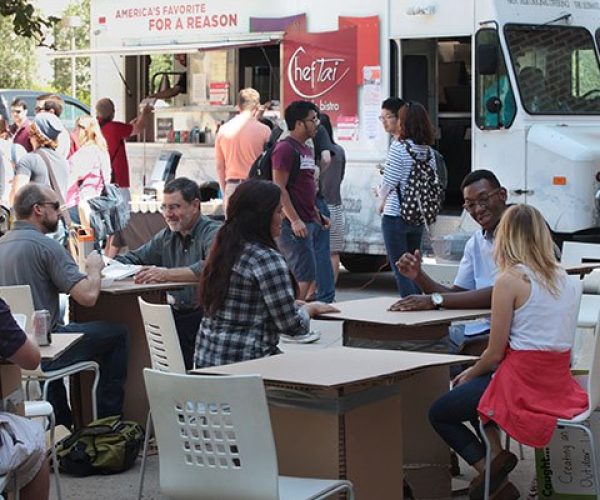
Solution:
(529, 392)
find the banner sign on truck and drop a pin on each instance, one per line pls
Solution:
(321, 67)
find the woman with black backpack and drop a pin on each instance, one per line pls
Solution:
(409, 189)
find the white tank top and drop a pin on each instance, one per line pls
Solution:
(547, 322)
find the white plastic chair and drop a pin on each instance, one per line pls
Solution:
(575, 253)
(165, 355)
(20, 301)
(215, 441)
(43, 409)
(581, 421)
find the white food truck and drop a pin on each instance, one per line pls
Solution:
(512, 86)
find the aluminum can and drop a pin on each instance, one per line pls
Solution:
(41, 327)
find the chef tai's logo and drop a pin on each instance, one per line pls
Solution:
(313, 77)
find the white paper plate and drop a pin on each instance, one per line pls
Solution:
(311, 336)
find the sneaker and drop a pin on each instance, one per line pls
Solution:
(502, 465)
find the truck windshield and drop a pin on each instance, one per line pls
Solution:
(556, 69)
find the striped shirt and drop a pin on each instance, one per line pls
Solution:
(398, 165)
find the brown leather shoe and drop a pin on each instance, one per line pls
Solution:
(507, 491)
(502, 465)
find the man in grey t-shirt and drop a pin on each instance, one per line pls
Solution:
(28, 257)
(33, 167)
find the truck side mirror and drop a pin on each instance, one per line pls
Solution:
(487, 59)
(493, 104)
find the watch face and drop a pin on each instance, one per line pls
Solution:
(437, 299)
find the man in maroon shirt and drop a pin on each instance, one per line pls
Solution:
(115, 134)
(20, 128)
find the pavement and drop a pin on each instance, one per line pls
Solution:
(350, 286)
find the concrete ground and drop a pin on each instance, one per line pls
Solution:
(350, 286)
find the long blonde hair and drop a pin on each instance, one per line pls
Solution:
(523, 237)
(90, 132)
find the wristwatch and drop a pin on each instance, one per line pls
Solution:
(438, 300)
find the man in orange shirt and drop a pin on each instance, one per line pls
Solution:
(239, 142)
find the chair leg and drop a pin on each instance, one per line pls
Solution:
(149, 431)
(94, 394)
(507, 447)
(55, 464)
(488, 461)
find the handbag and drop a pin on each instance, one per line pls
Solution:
(109, 212)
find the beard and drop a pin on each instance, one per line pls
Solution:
(49, 225)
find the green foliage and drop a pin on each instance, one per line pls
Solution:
(26, 21)
(62, 41)
(17, 53)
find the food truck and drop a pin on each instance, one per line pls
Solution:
(512, 86)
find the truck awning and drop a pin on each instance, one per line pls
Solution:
(133, 48)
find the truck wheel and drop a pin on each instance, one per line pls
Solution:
(363, 263)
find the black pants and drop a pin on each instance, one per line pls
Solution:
(187, 323)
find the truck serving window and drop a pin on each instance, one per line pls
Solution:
(494, 96)
(556, 68)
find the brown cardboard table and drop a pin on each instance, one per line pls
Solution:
(370, 320)
(349, 413)
(119, 303)
(60, 343)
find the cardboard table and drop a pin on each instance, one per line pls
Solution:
(60, 343)
(367, 322)
(118, 303)
(359, 414)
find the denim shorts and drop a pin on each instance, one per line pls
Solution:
(299, 252)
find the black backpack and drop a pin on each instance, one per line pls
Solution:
(423, 193)
(262, 168)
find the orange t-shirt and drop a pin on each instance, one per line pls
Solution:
(238, 144)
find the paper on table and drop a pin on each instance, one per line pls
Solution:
(115, 270)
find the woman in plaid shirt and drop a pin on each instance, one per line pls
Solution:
(247, 290)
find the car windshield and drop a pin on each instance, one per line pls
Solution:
(556, 68)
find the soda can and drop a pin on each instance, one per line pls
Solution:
(41, 327)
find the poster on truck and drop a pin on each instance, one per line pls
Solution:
(321, 67)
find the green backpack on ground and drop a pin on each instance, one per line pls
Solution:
(105, 446)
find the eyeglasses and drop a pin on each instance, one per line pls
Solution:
(170, 208)
(483, 201)
(314, 119)
(54, 204)
(17, 111)
(384, 118)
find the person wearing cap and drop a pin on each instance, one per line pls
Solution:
(33, 167)
(52, 103)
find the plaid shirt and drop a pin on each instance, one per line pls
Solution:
(258, 307)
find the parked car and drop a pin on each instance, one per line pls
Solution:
(73, 107)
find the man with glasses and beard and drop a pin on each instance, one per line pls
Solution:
(485, 200)
(177, 253)
(28, 257)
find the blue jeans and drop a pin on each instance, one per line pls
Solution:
(400, 238)
(325, 278)
(448, 414)
(187, 324)
(103, 342)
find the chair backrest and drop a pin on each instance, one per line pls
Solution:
(575, 253)
(20, 301)
(161, 335)
(214, 436)
(594, 376)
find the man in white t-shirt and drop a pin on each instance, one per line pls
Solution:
(485, 200)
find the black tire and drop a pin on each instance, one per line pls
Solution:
(363, 263)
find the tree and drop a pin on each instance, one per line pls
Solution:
(62, 41)
(26, 21)
(17, 53)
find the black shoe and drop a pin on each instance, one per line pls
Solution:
(502, 465)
